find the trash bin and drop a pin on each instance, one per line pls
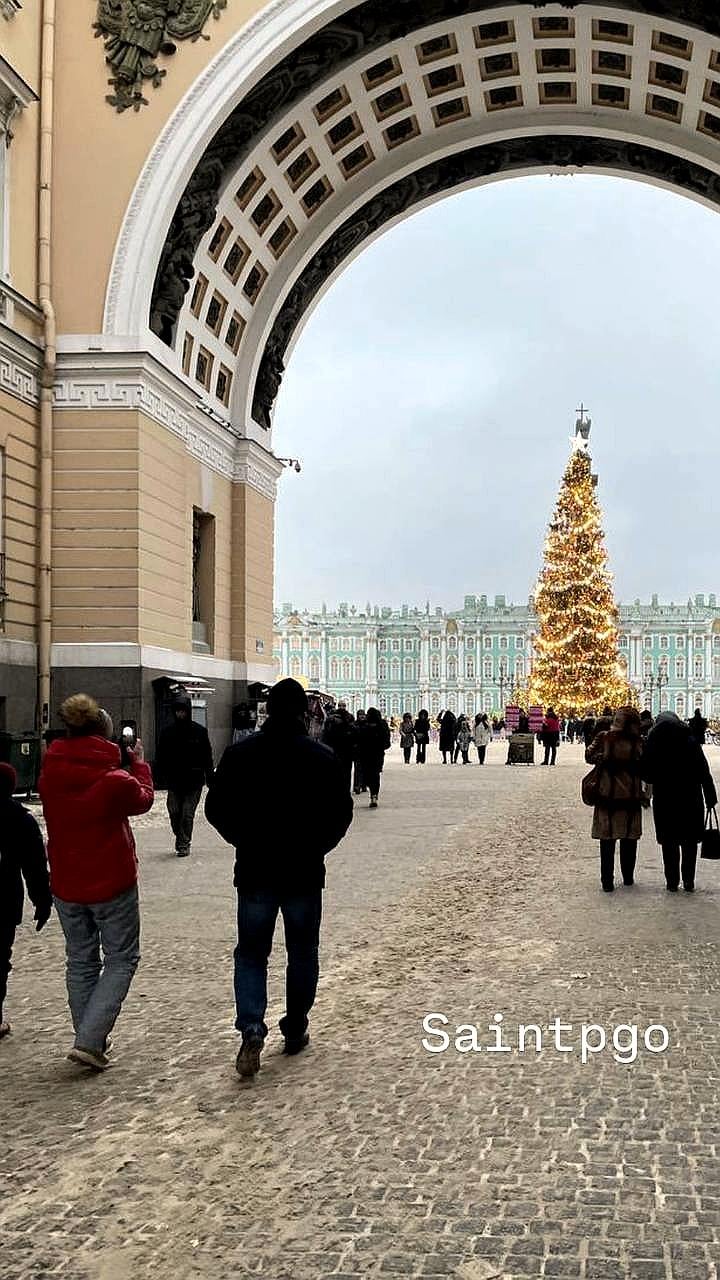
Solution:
(22, 751)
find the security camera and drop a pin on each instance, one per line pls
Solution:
(298, 468)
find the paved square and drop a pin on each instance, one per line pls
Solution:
(469, 892)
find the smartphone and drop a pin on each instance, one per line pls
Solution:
(128, 738)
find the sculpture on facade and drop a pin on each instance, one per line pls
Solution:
(136, 32)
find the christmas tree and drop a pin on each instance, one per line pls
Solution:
(577, 663)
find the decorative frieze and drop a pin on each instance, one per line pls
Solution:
(20, 362)
(105, 381)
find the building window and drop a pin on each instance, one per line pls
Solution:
(435, 704)
(680, 642)
(487, 670)
(520, 669)
(487, 642)
(519, 642)
(647, 642)
(699, 668)
(395, 669)
(436, 642)
(358, 669)
(347, 669)
(664, 642)
(203, 582)
(315, 669)
(452, 642)
(396, 646)
(679, 668)
(470, 669)
(647, 667)
(295, 666)
(716, 670)
(699, 642)
(409, 669)
(435, 669)
(503, 642)
(624, 642)
(452, 669)
(333, 669)
(382, 669)
(716, 642)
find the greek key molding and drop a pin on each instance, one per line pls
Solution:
(20, 363)
(97, 381)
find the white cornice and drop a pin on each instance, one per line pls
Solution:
(150, 657)
(20, 363)
(138, 380)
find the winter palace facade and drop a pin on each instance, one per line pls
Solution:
(474, 659)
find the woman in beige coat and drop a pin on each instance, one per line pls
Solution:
(622, 796)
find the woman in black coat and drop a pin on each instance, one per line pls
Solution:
(22, 858)
(448, 734)
(422, 736)
(675, 764)
(373, 740)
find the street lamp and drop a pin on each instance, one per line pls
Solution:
(292, 464)
(652, 681)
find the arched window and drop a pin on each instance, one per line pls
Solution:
(358, 669)
(452, 669)
(647, 667)
(382, 669)
(520, 668)
(679, 668)
(295, 667)
(503, 667)
(396, 704)
(699, 668)
(664, 701)
(716, 670)
(435, 703)
(347, 669)
(488, 669)
(452, 642)
(699, 701)
(716, 706)
(470, 669)
(395, 669)
(435, 669)
(452, 703)
(382, 703)
(663, 667)
(333, 669)
(315, 669)
(680, 704)
(409, 665)
(487, 702)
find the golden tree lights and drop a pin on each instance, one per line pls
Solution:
(577, 664)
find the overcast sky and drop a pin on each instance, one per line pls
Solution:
(432, 395)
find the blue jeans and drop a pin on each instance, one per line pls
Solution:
(257, 914)
(102, 943)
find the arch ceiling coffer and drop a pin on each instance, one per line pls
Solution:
(392, 105)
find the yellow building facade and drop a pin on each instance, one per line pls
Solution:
(179, 184)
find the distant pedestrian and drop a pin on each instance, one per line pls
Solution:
(359, 786)
(22, 860)
(588, 729)
(483, 736)
(340, 734)
(407, 736)
(422, 736)
(463, 740)
(448, 734)
(621, 795)
(523, 722)
(87, 800)
(373, 742)
(674, 764)
(550, 736)
(316, 713)
(303, 807)
(571, 729)
(646, 723)
(183, 763)
(502, 728)
(698, 727)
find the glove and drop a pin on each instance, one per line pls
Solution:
(42, 915)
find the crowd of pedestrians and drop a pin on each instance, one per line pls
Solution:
(314, 760)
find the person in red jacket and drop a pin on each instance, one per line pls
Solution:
(550, 736)
(87, 799)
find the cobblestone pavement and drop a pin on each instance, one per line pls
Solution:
(469, 892)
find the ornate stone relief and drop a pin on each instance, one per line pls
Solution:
(138, 32)
(365, 28)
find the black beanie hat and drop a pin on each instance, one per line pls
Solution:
(287, 701)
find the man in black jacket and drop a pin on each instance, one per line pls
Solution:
(282, 799)
(22, 857)
(183, 762)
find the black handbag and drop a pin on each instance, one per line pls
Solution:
(711, 837)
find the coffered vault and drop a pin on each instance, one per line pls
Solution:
(323, 124)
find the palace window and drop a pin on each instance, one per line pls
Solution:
(408, 645)
(487, 669)
(382, 669)
(716, 642)
(295, 667)
(699, 668)
(699, 642)
(487, 642)
(452, 669)
(395, 669)
(346, 669)
(396, 646)
(470, 669)
(435, 669)
(680, 704)
(679, 642)
(452, 642)
(647, 667)
(664, 642)
(315, 669)
(679, 668)
(436, 642)
(519, 669)
(503, 642)
(647, 642)
(333, 668)
(624, 642)
(519, 642)
(716, 670)
(358, 669)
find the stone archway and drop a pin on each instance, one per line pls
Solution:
(344, 118)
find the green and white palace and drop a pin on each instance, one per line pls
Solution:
(475, 659)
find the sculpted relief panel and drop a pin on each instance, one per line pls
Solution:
(138, 32)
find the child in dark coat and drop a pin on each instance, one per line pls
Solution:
(22, 858)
